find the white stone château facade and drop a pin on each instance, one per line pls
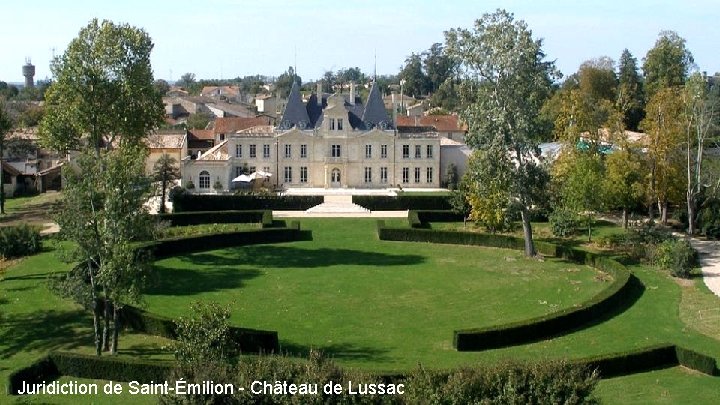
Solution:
(329, 142)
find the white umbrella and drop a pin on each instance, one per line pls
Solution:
(260, 175)
(243, 178)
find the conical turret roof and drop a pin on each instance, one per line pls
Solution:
(295, 114)
(375, 114)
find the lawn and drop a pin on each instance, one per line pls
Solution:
(670, 386)
(370, 303)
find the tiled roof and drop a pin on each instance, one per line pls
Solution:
(441, 123)
(224, 90)
(231, 125)
(219, 152)
(260, 129)
(166, 141)
(204, 134)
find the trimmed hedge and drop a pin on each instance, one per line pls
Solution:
(439, 216)
(110, 367)
(218, 217)
(635, 361)
(249, 340)
(536, 328)
(43, 369)
(170, 247)
(696, 361)
(403, 202)
(197, 202)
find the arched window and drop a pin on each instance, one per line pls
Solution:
(335, 176)
(204, 179)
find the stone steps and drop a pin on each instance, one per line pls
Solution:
(337, 204)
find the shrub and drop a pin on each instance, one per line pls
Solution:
(677, 256)
(563, 222)
(505, 383)
(214, 217)
(18, 241)
(612, 240)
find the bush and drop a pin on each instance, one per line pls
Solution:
(18, 241)
(677, 256)
(563, 222)
(214, 217)
(612, 240)
(110, 367)
(37, 372)
(505, 383)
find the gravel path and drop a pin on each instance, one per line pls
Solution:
(710, 262)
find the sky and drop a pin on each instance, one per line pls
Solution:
(229, 38)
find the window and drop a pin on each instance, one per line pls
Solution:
(238, 171)
(266, 151)
(222, 137)
(336, 151)
(418, 152)
(331, 124)
(303, 174)
(204, 179)
(368, 175)
(406, 175)
(303, 151)
(383, 151)
(406, 151)
(417, 175)
(339, 124)
(429, 174)
(335, 176)
(253, 151)
(368, 151)
(238, 151)
(288, 151)
(429, 151)
(287, 178)
(383, 175)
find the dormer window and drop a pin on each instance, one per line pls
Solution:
(340, 124)
(331, 124)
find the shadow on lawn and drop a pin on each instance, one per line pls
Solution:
(191, 281)
(264, 256)
(341, 351)
(44, 330)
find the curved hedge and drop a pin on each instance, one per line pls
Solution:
(202, 202)
(537, 328)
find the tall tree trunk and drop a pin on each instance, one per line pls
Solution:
(96, 313)
(625, 218)
(664, 212)
(691, 214)
(116, 329)
(162, 201)
(527, 232)
(106, 325)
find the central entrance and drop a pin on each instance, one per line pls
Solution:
(335, 177)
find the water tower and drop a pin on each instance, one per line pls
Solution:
(28, 71)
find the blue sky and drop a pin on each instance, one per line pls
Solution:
(230, 38)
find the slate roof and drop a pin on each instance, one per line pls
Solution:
(375, 114)
(295, 114)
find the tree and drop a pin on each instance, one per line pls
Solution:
(622, 184)
(596, 79)
(198, 120)
(665, 125)
(580, 184)
(284, 82)
(103, 213)
(165, 170)
(5, 126)
(103, 88)
(103, 103)
(630, 98)
(667, 64)
(161, 87)
(487, 187)
(415, 81)
(439, 67)
(187, 80)
(701, 112)
(506, 81)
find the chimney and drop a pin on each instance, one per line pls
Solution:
(352, 93)
(319, 93)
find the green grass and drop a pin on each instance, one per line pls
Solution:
(15, 203)
(670, 386)
(370, 303)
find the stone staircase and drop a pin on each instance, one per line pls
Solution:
(338, 204)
